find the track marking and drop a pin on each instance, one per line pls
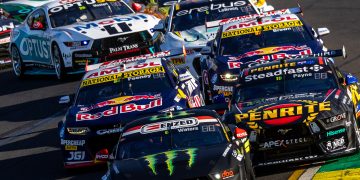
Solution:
(296, 174)
(309, 173)
(340, 174)
(10, 137)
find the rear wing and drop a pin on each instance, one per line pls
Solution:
(296, 10)
(107, 64)
(329, 53)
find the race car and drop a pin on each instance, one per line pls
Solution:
(112, 96)
(297, 111)
(61, 37)
(6, 25)
(241, 44)
(191, 144)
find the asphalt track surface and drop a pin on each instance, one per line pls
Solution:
(29, 112)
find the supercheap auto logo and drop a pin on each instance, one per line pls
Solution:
(282, 114)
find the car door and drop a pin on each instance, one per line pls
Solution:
(35, 44)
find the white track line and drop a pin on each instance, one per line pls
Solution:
(309, 173)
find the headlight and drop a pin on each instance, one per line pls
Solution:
(229, 77)
(77, 43)
(78, 130)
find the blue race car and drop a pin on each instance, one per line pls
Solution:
(242, 44)
(110, 97)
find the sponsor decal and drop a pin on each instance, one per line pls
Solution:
(102, 155)
(178, 60)
(212, 7)
(35, 48)
(336, 144)
(255, 23)
(283, 143)
(152, 160)
(127, 108)
(335, 132)
(123, 48)
(72, 142)
(7, 27)
(111, 21)
(284, 131)
(76, 155)
(83, 55)
(296, 72)
(166, 125)
(188, 129)
(288, 160)
(108, 131)
(120, 100)
(226, 90)
(336, 118)
(70, 148)
(283, 114)
(227, 150)
(5, 40)
(117, 77)
(227, 174)
(170, 116)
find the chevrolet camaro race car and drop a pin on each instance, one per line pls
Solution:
(61, 37)
(110, 97)
(242, 44)
(297, 110)
(191, 144)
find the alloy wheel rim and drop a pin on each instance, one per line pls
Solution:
(56, 59)
(16, 61)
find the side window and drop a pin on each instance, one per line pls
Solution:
(37, 20)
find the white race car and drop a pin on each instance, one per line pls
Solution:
(62, 37)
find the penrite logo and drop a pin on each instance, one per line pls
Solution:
(212, 7)
(283, 114)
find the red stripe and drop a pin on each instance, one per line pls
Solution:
(133, 128)
(338, 92)
(321, 60)
(204, 117)
(328, 92)
(152, 127)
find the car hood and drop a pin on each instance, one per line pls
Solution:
(96, 29)
(122, 109)
(252, 57)
(292, 108)
(176, 164)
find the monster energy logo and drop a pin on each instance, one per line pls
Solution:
(170, 156)
(168, 116)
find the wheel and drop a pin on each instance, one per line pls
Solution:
(249, 169)
(357, 134)
(17, 63)
(58, 62)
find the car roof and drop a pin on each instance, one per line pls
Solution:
(56, 3)
(260, 22)
(168, 116)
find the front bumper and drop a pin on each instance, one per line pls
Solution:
(303, 145)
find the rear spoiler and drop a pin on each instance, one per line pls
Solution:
(329, 53)
(107, 64)
(295, 10)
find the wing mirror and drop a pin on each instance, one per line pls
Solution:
(350, 79)
(64, 100)
(160, 27)
(323, 31)
(206, 51)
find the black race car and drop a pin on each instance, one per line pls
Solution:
(190, 144)
(111, 96)
(297, 110)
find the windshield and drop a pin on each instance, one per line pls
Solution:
(86, 11)
(277, 83)
(92, 94)
(190, 17)
(139, 145)
(262, 39)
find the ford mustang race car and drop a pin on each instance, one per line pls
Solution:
(191, 144)
(110, 97)
(62, 36)
(243, 44)
(297, 110)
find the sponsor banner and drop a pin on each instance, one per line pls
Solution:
(283, 143)
(220, 7)
(167, 125)
(117, 77)
(35, 48)
(127, 108)
(335, 132)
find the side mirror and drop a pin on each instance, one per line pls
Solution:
(136, 7)
(206, 51)
(240, 133)
(350, 79)
(64, 100)
(323, 31)
(159, 27)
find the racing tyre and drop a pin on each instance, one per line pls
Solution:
(58, 62)
(17, 63)
(357, 134)
(249, 169)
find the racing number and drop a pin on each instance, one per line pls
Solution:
(77, 155)
(117, 28)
